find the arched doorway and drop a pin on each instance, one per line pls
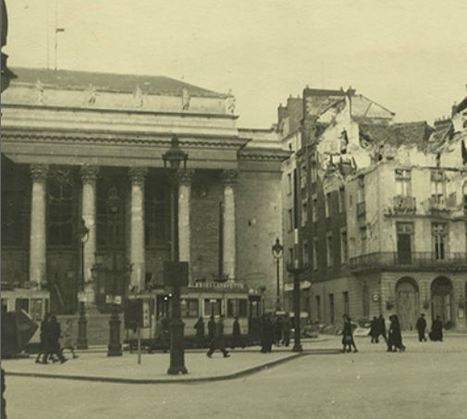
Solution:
(441, 299)
(407, 302)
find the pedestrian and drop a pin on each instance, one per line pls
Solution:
(278, 331)
(347, 335)
(436, 334)
(199, 327)
(211, 329)
(218, 341)
(267, 334)
(395, 337)
(53, 334)
(66, 341)
(374, 332)
(381, 328)
(43, 340)
(421, 327)
(237, 335)
(286, 328)
(165, 334)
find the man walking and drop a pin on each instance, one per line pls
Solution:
(199, 327)
(286, 328)
(211, 329)
(218, 341)
(436, 334)
(237, 334)
(421, 327)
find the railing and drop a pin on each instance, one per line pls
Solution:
(413, 259)
(404, 204)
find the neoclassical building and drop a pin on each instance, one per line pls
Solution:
(89, 146)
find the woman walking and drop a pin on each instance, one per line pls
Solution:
(347, 335)
(395, 336)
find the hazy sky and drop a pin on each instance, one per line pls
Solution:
(410, 56)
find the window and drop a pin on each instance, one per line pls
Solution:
(156, 214)
(236, 307)
(289, 183)
(439, 232)
(291, 258)
(405, 232)
(305, 253)
(344, 248)
(303, 176)
(341, 200)
(329, 250)
(315, 254)
(212, 307)
(304, 213)
(290, 219)
(313, 173)
(22, 304)
(345, 299)
(437, 186)
(314, 208)
(318, 308)
(332, 316)
(363, 240)
(403, 182)
(4, 305)
(327, 205)
(361, 190)
(190, 307)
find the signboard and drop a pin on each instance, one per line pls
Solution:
(176, 274)
(133, 313)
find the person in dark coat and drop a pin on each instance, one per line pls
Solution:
(211, 329)
(436, 333)
(374, 332)
(381, 328)
(199, 326)
(277, 330)
(395, 337)
(286, 329)
(237, 335)
(267, 334)
(53, 334)
(347, 335)
(218, 341)
(421, 327)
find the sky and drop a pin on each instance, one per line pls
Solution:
(409, 56)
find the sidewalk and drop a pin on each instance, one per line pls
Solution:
(96, 366)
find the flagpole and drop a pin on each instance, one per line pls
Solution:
(48, 34)
(56, 34)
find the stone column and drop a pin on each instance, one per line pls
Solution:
(37, 248)
(137, 254)
(229, 250)
(184, 193)
(88, 213)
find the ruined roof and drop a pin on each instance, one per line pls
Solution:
(109, 82)
(407, 133)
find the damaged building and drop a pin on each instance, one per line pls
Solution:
(379, 207)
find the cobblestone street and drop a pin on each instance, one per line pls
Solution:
(427, 381)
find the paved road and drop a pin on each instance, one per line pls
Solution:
(427, 381)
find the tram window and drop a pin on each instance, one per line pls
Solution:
(36, 309)
(212, 307)
(190, 308)
(22, 304)
(242, 308)
(4, 305)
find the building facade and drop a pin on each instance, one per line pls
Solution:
(380, 210)
(89, 146)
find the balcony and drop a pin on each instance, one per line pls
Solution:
(453, 261)
(404, 204)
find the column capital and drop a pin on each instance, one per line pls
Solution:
(229, 177)
(39, 171)
(185, 176)
(89, 173)
(137, 175)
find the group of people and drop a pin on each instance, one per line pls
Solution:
(54, 341)
(436, 333)
(274, 330)
(391, 334)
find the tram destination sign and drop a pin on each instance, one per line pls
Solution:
(176, 274)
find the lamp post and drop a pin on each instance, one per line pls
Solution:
(277, 251)
(173, 158)
(296, 270)
(82, 341)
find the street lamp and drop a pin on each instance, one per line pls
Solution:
(277, 252)
(173, 158)
(82, 342)
(296, 270)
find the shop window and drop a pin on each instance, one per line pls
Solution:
(236, 307)
(212, 307)
(190, 308)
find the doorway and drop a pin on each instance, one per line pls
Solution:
(407, 303)
(442, 300)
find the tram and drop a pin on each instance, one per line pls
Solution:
(200, 300)
(33, 301)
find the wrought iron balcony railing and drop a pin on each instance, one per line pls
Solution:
(411, 259)
(404, 204)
